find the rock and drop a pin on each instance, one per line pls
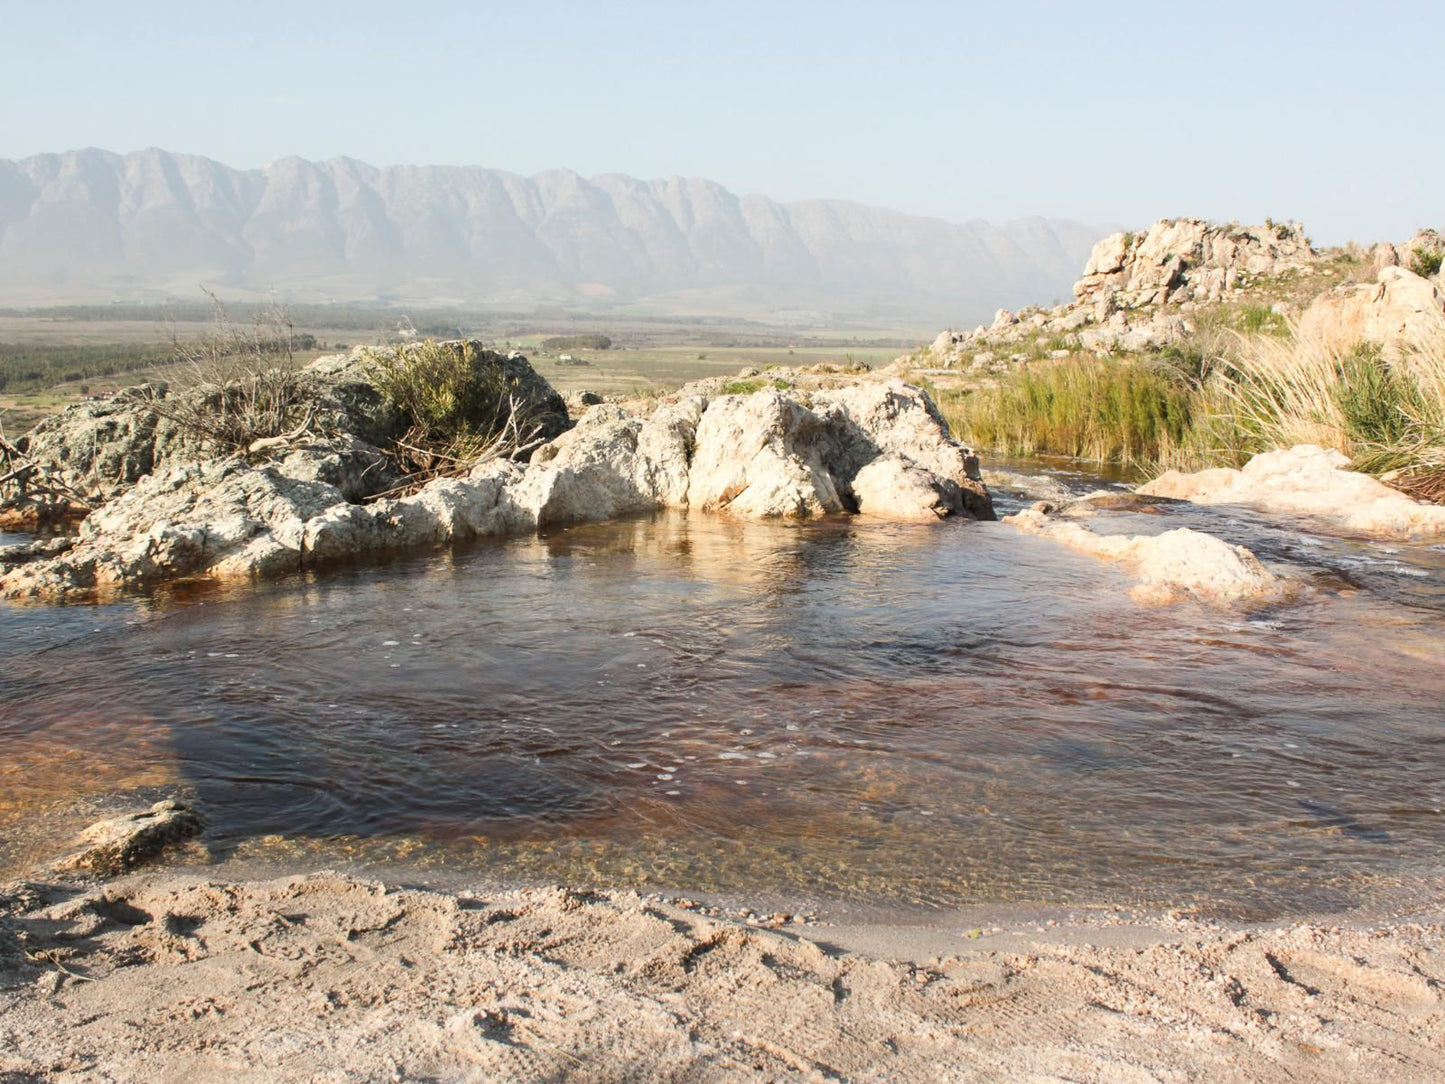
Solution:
(1171, 567)
(1307, 480)
(944, 343)
(222, 518)
(765, 454)
(1384, 255)
(1184, 259)
(759, 455)
(1398, 310)
(102, 449)
(1003, 319)
(892, 487)
(111, 847)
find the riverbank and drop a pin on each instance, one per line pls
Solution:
(164, 977)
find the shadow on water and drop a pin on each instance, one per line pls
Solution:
(837, 709)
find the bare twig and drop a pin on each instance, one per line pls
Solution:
(50, 957)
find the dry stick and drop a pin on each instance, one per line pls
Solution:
(48, 957)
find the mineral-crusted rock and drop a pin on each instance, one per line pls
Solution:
(111, 847)
(1307, 480)
(222, 517)
(1170, 567)
(1398, 310)
(769, 453)
(892, 487)
(759, 455)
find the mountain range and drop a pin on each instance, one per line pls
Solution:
(91, 225)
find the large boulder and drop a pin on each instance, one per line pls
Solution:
(220, 517)
(1307, 480)
(1398, 310)
(760, 455)
(892, 487)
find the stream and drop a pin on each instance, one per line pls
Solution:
(905, 716)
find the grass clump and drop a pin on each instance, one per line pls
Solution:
(1194, 406)
(747, 387)
(1387, 413)
(1426, 263)
(1262, 320)
(1101, 409)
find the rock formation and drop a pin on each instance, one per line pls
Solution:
(1188, 259)
(1138, 289)
(1398, 310)
(874, 447)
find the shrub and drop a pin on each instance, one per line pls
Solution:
(460, 403)
(236, 389)
(1257, 319)
(1426, 263)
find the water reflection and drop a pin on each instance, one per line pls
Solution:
(911, 715)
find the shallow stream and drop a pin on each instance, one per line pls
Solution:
(902, 716)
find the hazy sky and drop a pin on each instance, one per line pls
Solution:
(1107, 112)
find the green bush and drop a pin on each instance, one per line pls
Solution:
(1426, 263)
(448, 392)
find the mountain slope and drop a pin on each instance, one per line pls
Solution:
(90, 224)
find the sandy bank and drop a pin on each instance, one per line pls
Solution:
(166, 978)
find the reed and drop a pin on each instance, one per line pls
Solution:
(1248, 393)
(1099, 409)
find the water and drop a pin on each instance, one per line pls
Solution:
(839, 710)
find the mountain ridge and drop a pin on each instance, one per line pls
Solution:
(91, 224)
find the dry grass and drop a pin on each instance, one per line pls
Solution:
(236, 387)
(1387, 414)
(1221, 398)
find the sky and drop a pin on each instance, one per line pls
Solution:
(1117, 113)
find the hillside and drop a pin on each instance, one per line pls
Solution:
(92, 225)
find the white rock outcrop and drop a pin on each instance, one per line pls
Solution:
(1188, 259)
(1174, 566)
(877, 447)
(1307, 480)
(1398, 310)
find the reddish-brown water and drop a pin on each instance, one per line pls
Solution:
(901, 715)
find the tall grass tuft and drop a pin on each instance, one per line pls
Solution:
(1386, 413)
(1097, 409)
(1217, 404)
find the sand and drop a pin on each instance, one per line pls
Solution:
(325, 977)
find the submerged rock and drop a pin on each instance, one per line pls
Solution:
(1310, 481)
(1170, 567)
(111, 847)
